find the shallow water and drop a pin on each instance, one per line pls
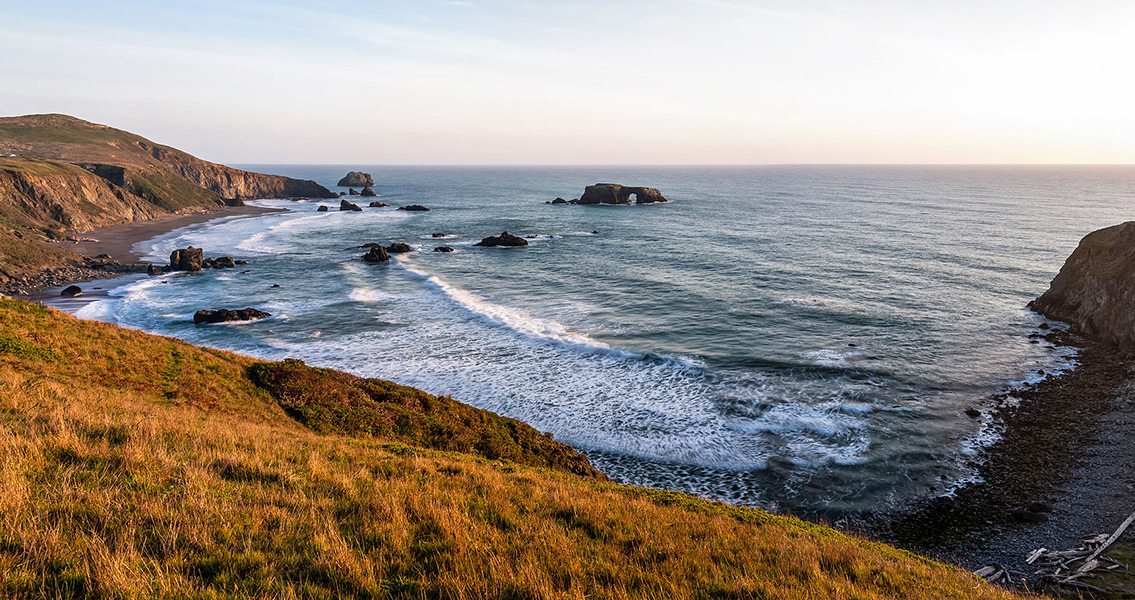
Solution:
(802, 338)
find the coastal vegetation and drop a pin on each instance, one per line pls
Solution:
(141, 466)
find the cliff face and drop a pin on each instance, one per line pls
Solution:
(235, 183)
(1095, 289)
(56, 197)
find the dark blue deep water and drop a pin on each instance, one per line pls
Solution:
(802, 338)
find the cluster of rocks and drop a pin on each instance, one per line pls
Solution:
(26, 285)
(345, 205)
(225, 315)
(380, 253)
(504, 239)
(193, 259)
(614, 193)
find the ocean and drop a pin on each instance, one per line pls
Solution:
(804, 339)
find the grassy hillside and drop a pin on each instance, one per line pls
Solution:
(139, 466)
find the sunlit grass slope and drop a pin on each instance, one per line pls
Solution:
(139, 466)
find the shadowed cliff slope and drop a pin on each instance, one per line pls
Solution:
(1095, 289)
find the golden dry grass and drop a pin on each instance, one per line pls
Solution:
(137, 466)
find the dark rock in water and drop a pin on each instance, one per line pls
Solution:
(614, 193)
(241, 262)
(274, 286)
(595, 232)
(443, 249)
(207, 263)
(378, 205)
(415, 208)
(245, 272)
(376, 254)
(438, 235)
(371, 245)
(504, 239)
(559, 201)
(344, 205)
(225, 315)
(352, 192)
(224, 262)
(973, 413)
(342, 193)
(321, 208)
(573, 201)
(152, 270)
(368, 192)
(399, 247)
(1042, 326)
(356, 178)
(71, 291)
(189, 259)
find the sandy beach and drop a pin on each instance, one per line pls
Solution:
(118, 240)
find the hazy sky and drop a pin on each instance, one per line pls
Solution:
(669, 81)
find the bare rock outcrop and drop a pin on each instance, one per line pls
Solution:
(225, 315)
(504, 239)
(614, 193)
(188, 259)
(1095, 289)
(356, 178)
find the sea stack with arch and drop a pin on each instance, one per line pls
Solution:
(614, 193)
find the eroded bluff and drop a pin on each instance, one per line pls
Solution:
(1095, 289)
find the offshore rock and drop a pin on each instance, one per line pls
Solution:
(377, 254)
(322, 208)
(344, 205)
(224, 262)
(368, 192)
(378, 205)
(614, 193)
(71, 291)
(1095, 289)
(225, 315)
(398, 247)
(356, 178)
(443, 249)
(189, 259)
(504, 239)
(415, 208)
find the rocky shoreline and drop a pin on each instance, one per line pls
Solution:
(1039, 485)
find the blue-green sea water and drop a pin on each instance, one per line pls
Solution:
(799, 338)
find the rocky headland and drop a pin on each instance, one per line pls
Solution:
(1060, 471)
(63, 176)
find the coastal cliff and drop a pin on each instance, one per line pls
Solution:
(1094, 291)
(61, 176)
(63, 138)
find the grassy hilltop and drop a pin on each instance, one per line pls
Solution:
(141, 466)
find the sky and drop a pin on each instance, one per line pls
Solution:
(588, 82)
